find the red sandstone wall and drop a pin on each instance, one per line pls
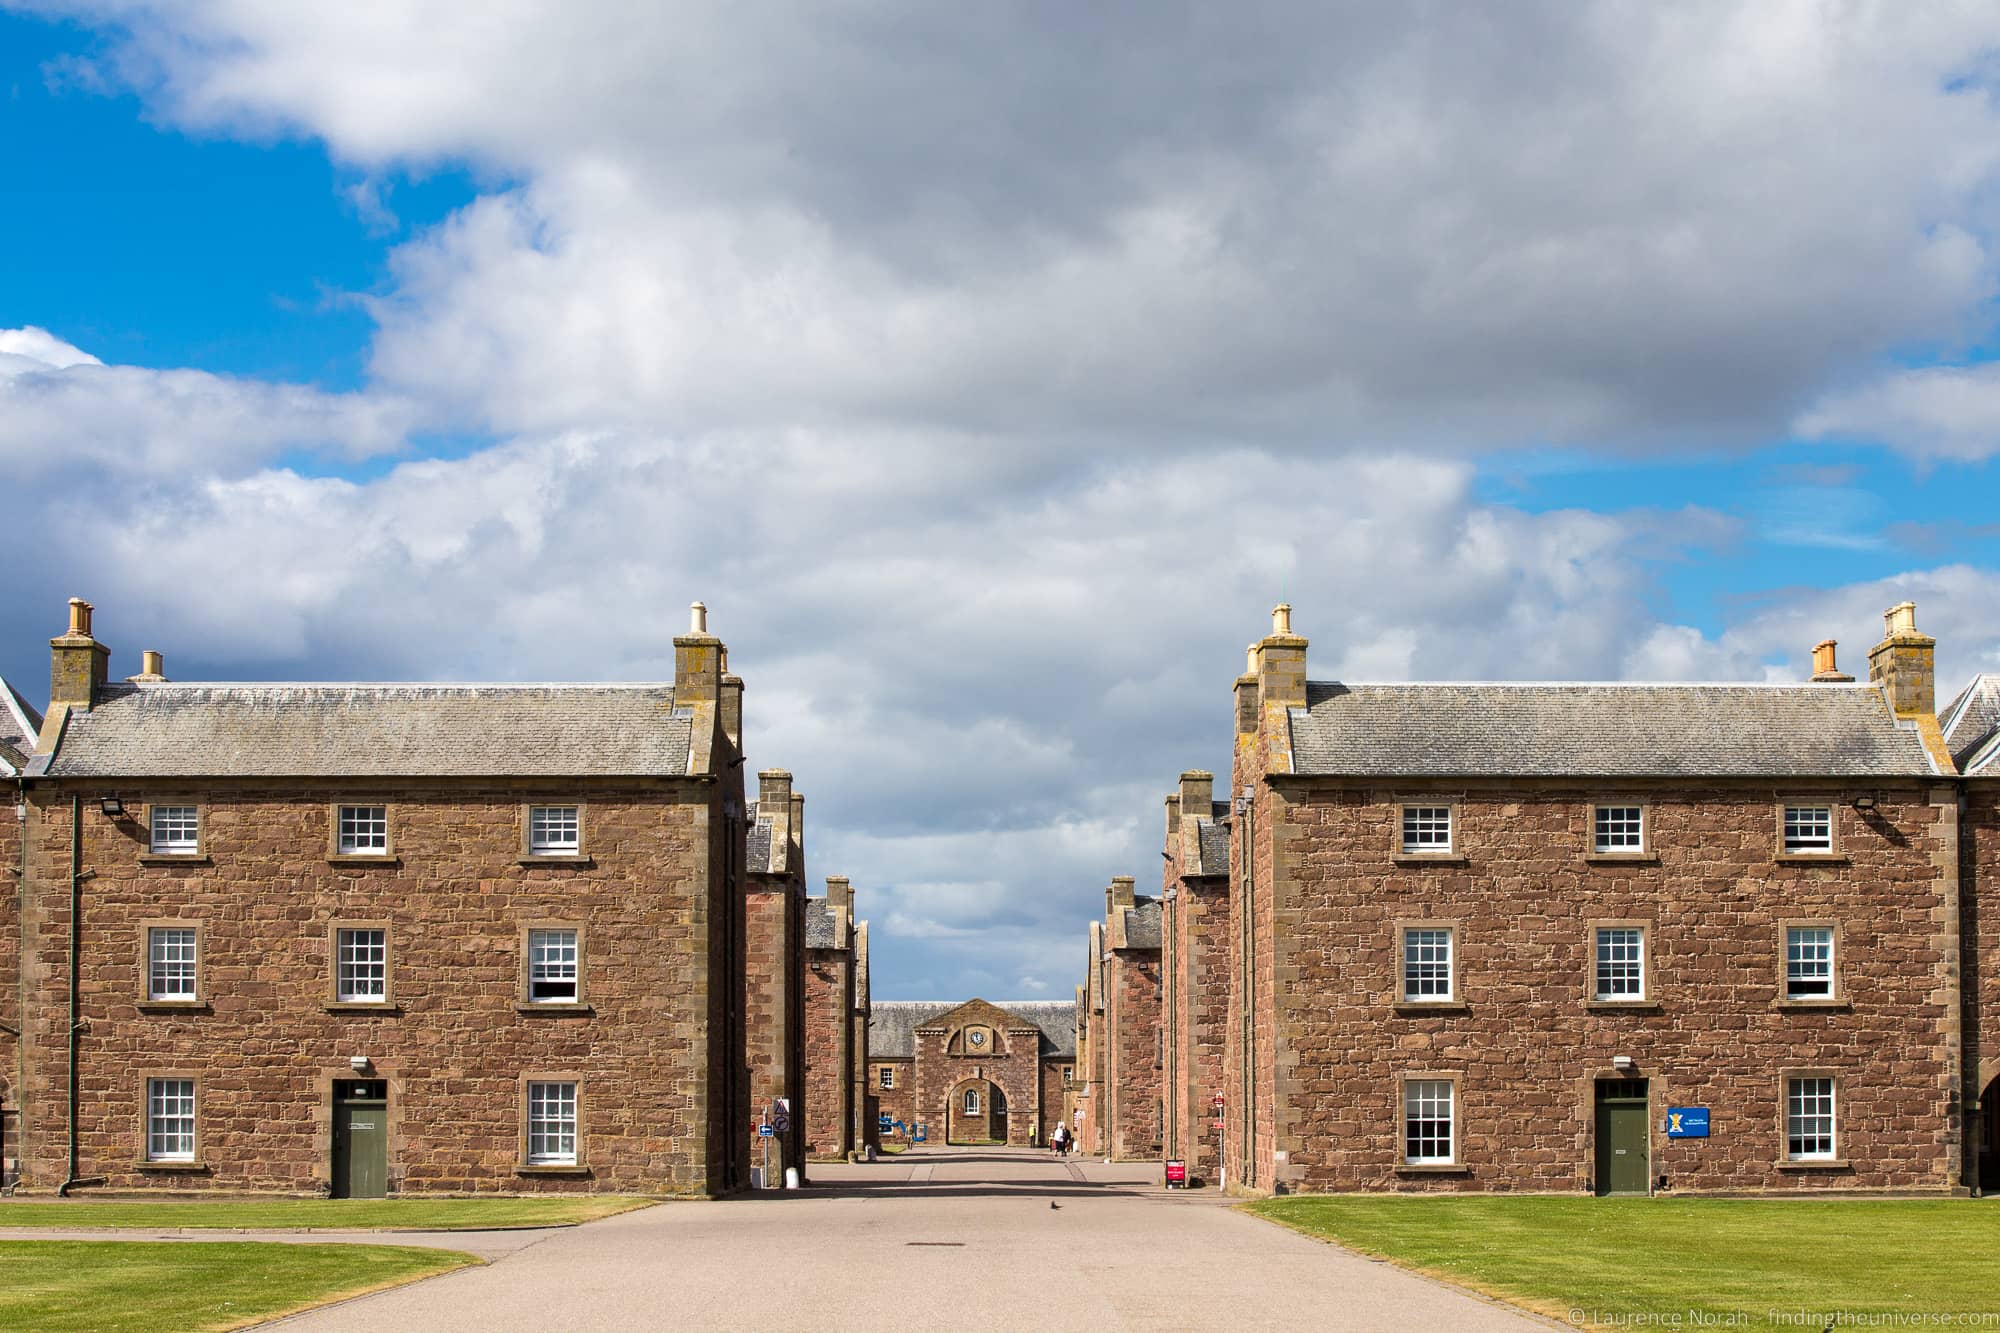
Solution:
(1527, 1048)
(1137, 1083)
(829, 1112)
(453, 1047)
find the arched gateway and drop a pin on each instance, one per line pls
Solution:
(971, 1073)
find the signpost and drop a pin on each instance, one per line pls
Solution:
(1176, 1175)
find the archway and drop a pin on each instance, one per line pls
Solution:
(976, 1113)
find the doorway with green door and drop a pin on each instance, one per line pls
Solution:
(1624, 1137)
(360, 1138)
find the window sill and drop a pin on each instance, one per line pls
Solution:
(557, 859)
(554, 1007)
(148, 1164)
(1621, 858)
(1433, 1169)
(1428, 859)
(361, 859)
(1626, 1006)
(1417, 1008)
(1815, 1002)
(173, 1006)
(175, 859)
(550, 1169)
(1810, 858)
(1816, 1164)
(362, 1007)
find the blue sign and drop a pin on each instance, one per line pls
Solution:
(1687, 1122)
(763, 1131)
(922, 1135)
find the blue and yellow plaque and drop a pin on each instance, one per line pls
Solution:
(1687, 1122)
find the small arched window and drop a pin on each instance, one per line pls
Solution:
(972, 1101)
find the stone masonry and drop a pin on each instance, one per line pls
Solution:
(1195, 958)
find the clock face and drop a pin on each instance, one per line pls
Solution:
(976, 1037)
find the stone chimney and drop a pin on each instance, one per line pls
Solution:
(1279, 663)
(730, 708)
(1119, 894)
(840, 896)
(1197, 793)
(799, 834)
(1173, 817)
(1246, 697)
(697, 662)
(1825, 671)
(79, 665)
(1905, 663)
(152, 669)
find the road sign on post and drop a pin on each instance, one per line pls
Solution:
(781, 1115)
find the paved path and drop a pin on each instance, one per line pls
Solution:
(940, 1239)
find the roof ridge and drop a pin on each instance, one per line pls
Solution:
(1816, 686)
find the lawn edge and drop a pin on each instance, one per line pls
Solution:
(235, 1229)
(1553, 1312)
(468, 1260)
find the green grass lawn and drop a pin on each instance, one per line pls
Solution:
(1615, 1261)
(316, 1214)
(53, 1286)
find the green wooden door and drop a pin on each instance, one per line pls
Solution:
(360, 1140)
(1622, 1137)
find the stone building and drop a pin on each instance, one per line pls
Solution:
(1611, 937)
(774, 981)
(1194, 957)
(836, 1023)
(367, 938)
(20, 728)
(974, 1072)
(1087, 1117)
(1971, 728)
(1130, 1105)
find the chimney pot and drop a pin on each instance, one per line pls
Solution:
(1281, 618)
(1825, 670)
(79, 617)
(1901, 618)
(697, 618)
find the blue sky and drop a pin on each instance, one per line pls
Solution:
(988, 391)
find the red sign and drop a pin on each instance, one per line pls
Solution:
(1215, 1125)
(1216, 1100)
(1177, 1174)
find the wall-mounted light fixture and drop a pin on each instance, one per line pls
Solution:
(1864, 803)
(112, 806)
(1621, 1063)
(358, 1063)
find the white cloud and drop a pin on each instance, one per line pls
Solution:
(62, 408)
(1609, 224)
(1948, 412)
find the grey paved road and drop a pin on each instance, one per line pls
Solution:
(942, 1239)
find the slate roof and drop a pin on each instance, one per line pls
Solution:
(757, 852)
(1214, 847)
(893, 1024)
(20, 724)
(1970, 722)
(375, 730)
(819, 924)
(1609, 730)
(1142, 923)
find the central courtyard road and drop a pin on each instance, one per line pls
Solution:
(945, 1238)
